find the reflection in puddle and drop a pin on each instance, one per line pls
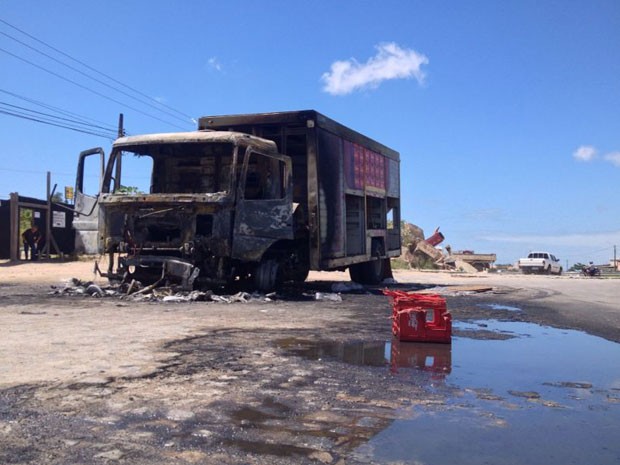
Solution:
(433, 358)
(543, 396)
(353, 353)
(398, 356)
(514, 393)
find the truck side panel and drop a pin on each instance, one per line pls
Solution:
(331, 199)
(346, 183)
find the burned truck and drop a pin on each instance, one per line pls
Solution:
(257, 198)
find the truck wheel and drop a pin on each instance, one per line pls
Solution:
(299, 275)
(374, 271)
(267, 276)
(355, 272)
(368, 272)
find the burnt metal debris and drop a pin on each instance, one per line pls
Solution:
(136, 291)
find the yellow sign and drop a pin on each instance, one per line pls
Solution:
(68, 193)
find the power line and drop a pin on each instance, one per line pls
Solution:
(95, 70)
(94, 126)
(56, 121)
(88, 88)
(57, 109)
(38, 120)
(93, 78)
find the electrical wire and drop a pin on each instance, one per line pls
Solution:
(95, 70)
(38, 120)
(89, 89)
(17, 107)
(57, 109)
(93, 78)
(43, 118)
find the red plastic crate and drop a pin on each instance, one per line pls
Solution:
(420, 317)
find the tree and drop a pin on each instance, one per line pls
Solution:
(577, 267)
(25, 219)
(128, 190)
(58, 197)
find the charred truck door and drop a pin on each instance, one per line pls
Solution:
(87, 188)
(264, 210)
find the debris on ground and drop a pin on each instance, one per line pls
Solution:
(457, 290)
(330, 296)
(135, 291)
(347, 287)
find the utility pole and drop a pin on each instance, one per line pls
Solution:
(48, 218)
(615, 262)
(121, 128)
(119, 160)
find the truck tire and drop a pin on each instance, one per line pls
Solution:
(371, 272)
(300, 274)
(268, 275)
(355, 272)
(375, 271)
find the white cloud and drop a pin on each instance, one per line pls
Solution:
(584, 153)
(613, 157)
(215, 64)
(390, 62)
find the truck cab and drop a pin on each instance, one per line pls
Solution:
(216, 202)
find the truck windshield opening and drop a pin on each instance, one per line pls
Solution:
(195, 168)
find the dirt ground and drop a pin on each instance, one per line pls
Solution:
(110, 380)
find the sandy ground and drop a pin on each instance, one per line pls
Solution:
(88, 380)
(60, 339)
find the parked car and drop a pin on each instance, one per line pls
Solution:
(540, 262)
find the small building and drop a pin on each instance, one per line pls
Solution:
(57, 227)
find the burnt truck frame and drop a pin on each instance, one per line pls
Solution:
(262, 198)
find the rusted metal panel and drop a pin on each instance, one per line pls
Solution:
(331, 195)
(271, 219)
(338, 160)
(296, 118)
(313, 200)
(251, 248)
(197, 136)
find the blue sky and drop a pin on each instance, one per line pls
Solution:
(506, 114)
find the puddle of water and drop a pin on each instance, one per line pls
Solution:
(353, 352)
(508, 308)
(543, 396)
(529, 394)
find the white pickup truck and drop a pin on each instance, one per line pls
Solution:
(540, 262)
